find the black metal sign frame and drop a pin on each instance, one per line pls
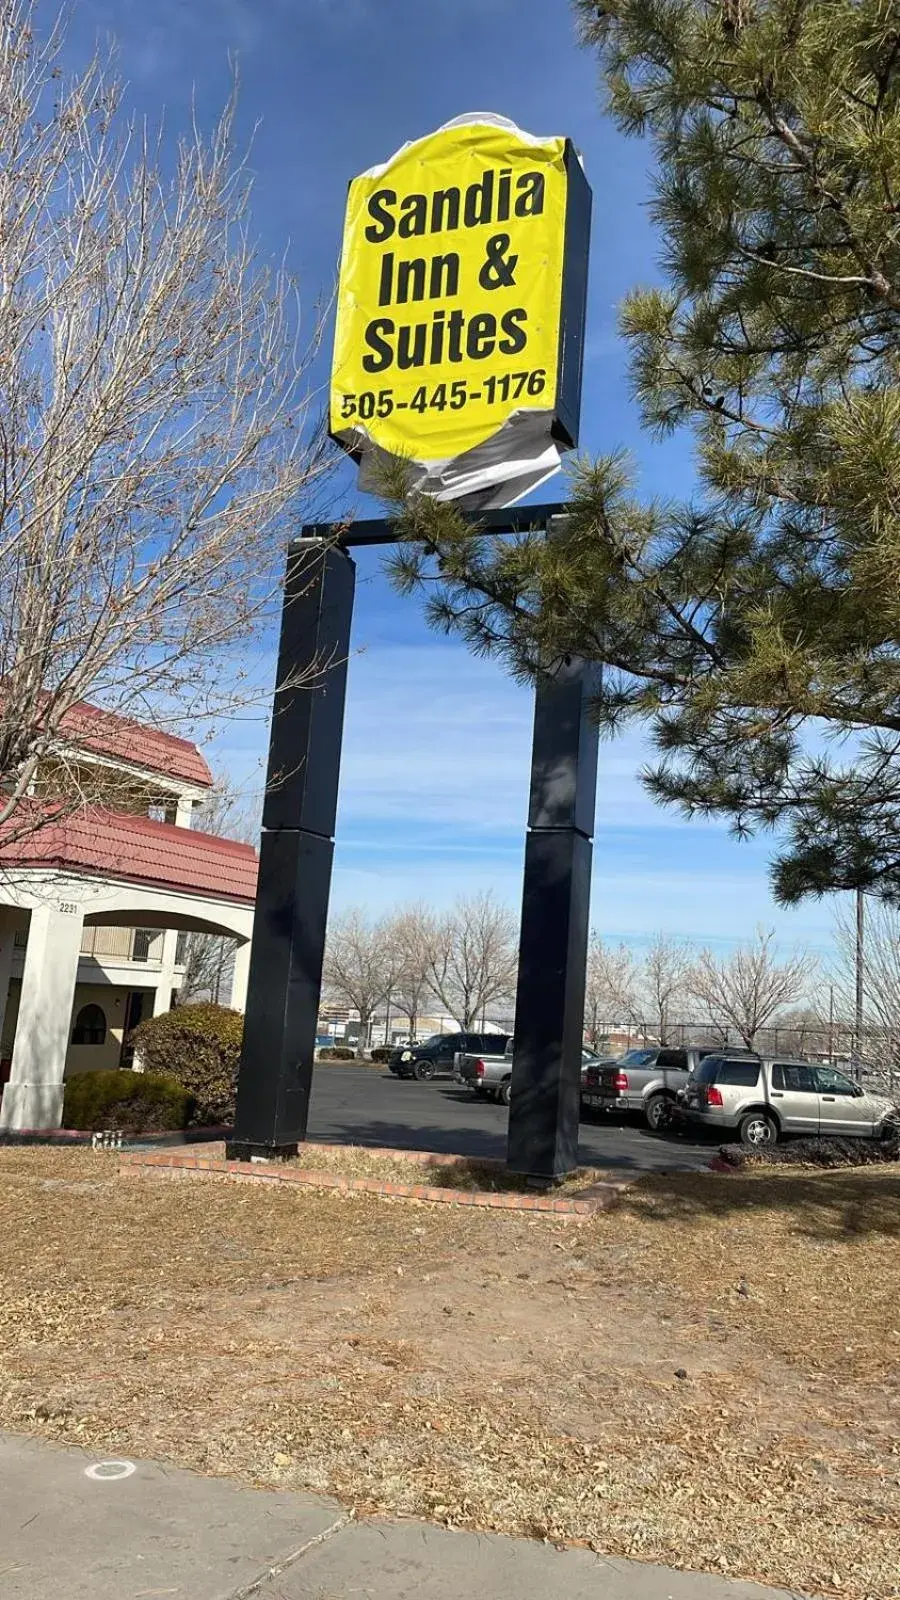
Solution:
(297, 848)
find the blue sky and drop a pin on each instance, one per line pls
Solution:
(436, 751)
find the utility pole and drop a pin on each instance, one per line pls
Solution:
(860, 981)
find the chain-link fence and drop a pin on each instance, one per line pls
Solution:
(873, 1056)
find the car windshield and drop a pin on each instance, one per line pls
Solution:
(637, 1058)
(434, 1039)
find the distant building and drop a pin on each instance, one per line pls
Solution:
(340, 1025)
(92, 906)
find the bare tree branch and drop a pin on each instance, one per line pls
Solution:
(664, 983)
(610, 988)
(155, 447)
(746, 989)
(361, 965)
(474, 958)
(413, 932)
(209, 957)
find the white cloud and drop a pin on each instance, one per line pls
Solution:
(437, 736)
(434, 796)
(433, 802)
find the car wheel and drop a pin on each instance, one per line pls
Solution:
(424, 1070)
(504, 1093)
(656, 1111)
(758, 1131)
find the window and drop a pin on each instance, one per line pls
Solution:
(673, 1059)
(90, 1026)
(828, 1081)
(743, 1074)
(796, 1080)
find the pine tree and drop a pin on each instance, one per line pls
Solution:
(754, 629)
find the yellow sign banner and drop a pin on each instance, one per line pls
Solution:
(450, 306)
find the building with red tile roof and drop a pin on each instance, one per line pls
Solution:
(95, 906)
(103, 733)
(109, 844)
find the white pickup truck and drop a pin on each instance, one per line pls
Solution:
(491, 1076)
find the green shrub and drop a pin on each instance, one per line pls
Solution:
(135, 1102)
(200, 1047)
(382, 1052)
(337, 1052)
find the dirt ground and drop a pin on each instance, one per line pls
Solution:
(706, 1377)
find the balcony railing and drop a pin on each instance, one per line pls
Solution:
(123, 944)
(142, 945)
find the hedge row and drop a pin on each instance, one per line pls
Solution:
(190, 1057)
(134, 1102)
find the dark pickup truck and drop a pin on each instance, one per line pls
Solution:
(439, 1053)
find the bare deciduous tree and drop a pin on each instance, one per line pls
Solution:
(881, 980)
(360, 965)
(664, 986)
(807, 1030)
(413, 931)
(746, 989)
(474, 958)
(208, 957)
(154, 449)
(609, 994)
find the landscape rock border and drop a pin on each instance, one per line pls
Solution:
(189, 1163)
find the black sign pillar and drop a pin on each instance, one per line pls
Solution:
(546, 1076)
(298, 845)
(295, 853)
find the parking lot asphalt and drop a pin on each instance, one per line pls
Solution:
(362, 1105)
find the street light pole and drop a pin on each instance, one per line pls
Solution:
(860, 980)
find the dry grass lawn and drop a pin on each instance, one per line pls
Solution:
(489, 1370)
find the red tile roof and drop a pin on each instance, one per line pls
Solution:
(113, 844)
(105, 733)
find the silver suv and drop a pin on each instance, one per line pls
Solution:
(764, 1097)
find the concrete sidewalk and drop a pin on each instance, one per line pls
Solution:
(162, 1534)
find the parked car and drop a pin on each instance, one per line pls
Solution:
(646, 1080)
(763, 1098)
(490, 1076)
(438, 1054)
